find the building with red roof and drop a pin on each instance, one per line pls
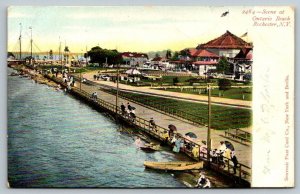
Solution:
(237, 51)
(134, 59)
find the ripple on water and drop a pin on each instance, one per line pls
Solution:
(56, 141)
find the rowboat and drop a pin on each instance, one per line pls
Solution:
(180, 165)
(150, 147)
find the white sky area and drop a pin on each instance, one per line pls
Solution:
(125, 28)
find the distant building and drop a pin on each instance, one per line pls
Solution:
(133, 59)
(204, 58)
(161, 63)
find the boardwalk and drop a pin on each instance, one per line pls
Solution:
(243, 151)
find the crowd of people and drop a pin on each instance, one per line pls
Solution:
(128, 112)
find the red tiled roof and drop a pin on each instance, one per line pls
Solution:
(205, 63)
(244, 54)
(226, 41)
(204, 53)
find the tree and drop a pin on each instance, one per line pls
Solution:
(175, 56)
(10, 54)
(99, 55)
(175, 80)
(157, 55)
(168, 54)
(224, 84)
(223, 66)
(185, 53)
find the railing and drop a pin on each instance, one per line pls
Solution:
(226, 166)
(195, 119)
(153, 105)
(242, 135)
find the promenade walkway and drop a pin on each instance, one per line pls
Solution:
(179, 96)
(243, 151)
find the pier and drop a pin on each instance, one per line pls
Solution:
(107, 102)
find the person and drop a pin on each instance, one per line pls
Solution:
(152, 124)
(207, 184)
(132, 115)
(221, 151)
(123, 109)
(177, 145)
(138, 142)
(234, 160)
(95, 96)
(203, 182)
(214, 156)
(95, 76)
(165, 136)
(129, 106)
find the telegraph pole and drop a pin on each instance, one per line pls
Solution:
(30, 43)
(20, 41)
(209, 124)
(117, 95)
(59, 53)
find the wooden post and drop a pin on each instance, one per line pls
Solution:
(80, 80)
(240, 171)
(209, 124)
(117, 96)
(228, 165)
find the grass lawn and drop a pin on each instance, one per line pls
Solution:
(222, 117)
(233, 93)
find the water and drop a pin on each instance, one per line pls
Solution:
(55, 140)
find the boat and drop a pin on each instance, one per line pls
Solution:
(176, 165)
(150, 147)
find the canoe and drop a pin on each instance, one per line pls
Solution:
(180, 165)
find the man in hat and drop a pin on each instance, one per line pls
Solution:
(234, 160)
(123, 108)
(152, 124)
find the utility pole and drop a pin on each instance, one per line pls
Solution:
(30, 43)
(209, 124)
(86, 59)
(59, 53)
(117, 95)
(20, 40)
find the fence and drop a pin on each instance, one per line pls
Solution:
(195, 150)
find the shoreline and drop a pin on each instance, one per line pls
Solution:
(187, 178)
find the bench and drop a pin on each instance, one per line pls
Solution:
(232, 135)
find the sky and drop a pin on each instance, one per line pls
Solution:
(125, 28)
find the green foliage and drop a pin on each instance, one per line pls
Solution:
(175, 80)
(223, 65)
(168, 54)
(185, 52)
(99, 55)
(222, 117)
(224, 84)
(10, 54)
(175, 56)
